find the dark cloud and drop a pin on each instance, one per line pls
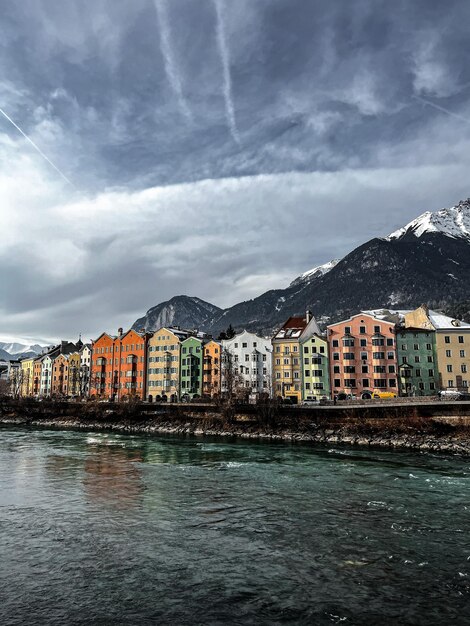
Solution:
(293, 133)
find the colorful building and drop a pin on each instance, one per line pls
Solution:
(163, 368)
(315, 367)
(417, 361)
(287, 355)
(73, 387)
(211, 373)
(37, 366)
(363, 356)
(85, 369)
(27, 377)
(118, 365)
(452, 346)
(191, 362)
(247, 365)
(60, 372)
(45, 387)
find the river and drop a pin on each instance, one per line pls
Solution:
(108, 529)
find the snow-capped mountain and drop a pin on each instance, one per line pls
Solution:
(315, 272)
(426, 261)
(20, 348)
(453, 222)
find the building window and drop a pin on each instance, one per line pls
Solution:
(347, 330)
(450, 383)
(363, 343)
(449, 368)
(463, 368)
(446, 339)
(365, 382)
(376, 329)
(448, 354)
(362, 330)
(337, 382)
(428, 346)
(431, 373)
(462, 354)
(460, 338)
(335, 343)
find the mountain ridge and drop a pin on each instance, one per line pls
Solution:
(427, 260)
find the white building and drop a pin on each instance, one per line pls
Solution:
(85, 364)
(250, 358)
(45, 386)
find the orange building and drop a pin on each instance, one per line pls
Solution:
(118, 365)
(211, 368)
(37, 375)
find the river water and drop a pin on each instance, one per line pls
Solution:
(108, 529)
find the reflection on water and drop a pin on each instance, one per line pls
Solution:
(99, 528)
(113, 477)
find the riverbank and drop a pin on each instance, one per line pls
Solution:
(443, 434)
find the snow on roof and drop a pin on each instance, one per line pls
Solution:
(444, 322)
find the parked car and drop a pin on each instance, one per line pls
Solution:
(345, 396)
(311, 401)
(453, 394)
(383, 395)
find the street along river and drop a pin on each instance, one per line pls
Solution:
(109, 529)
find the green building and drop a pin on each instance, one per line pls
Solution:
(315, 367)
(417, 362)
(191, 359)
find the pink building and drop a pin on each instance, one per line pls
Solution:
(363, 355)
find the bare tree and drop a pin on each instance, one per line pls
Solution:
(16, 382)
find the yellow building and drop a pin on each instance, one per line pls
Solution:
(163, 364)
(287, 356)
(73, 383)
(27, 377)
(452, 346)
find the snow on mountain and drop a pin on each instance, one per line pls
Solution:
(315, 272)
(453, 222)
(21, 348)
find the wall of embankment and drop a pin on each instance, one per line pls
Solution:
(436, 427)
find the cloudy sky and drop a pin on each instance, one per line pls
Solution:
(215, 148)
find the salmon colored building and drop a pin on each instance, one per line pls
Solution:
(211, 369)
(60, 374)
(118, 365)
(363, 355)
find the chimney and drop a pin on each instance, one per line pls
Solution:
(308, 316)
(120, 331)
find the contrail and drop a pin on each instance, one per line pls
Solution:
(171, 68)
(439, 108)
(37, 149)
(224, 55)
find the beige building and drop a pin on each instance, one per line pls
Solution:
(452, 346)
(163, 363)
(287, 356)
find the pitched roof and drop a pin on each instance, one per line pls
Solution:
(444, 322)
